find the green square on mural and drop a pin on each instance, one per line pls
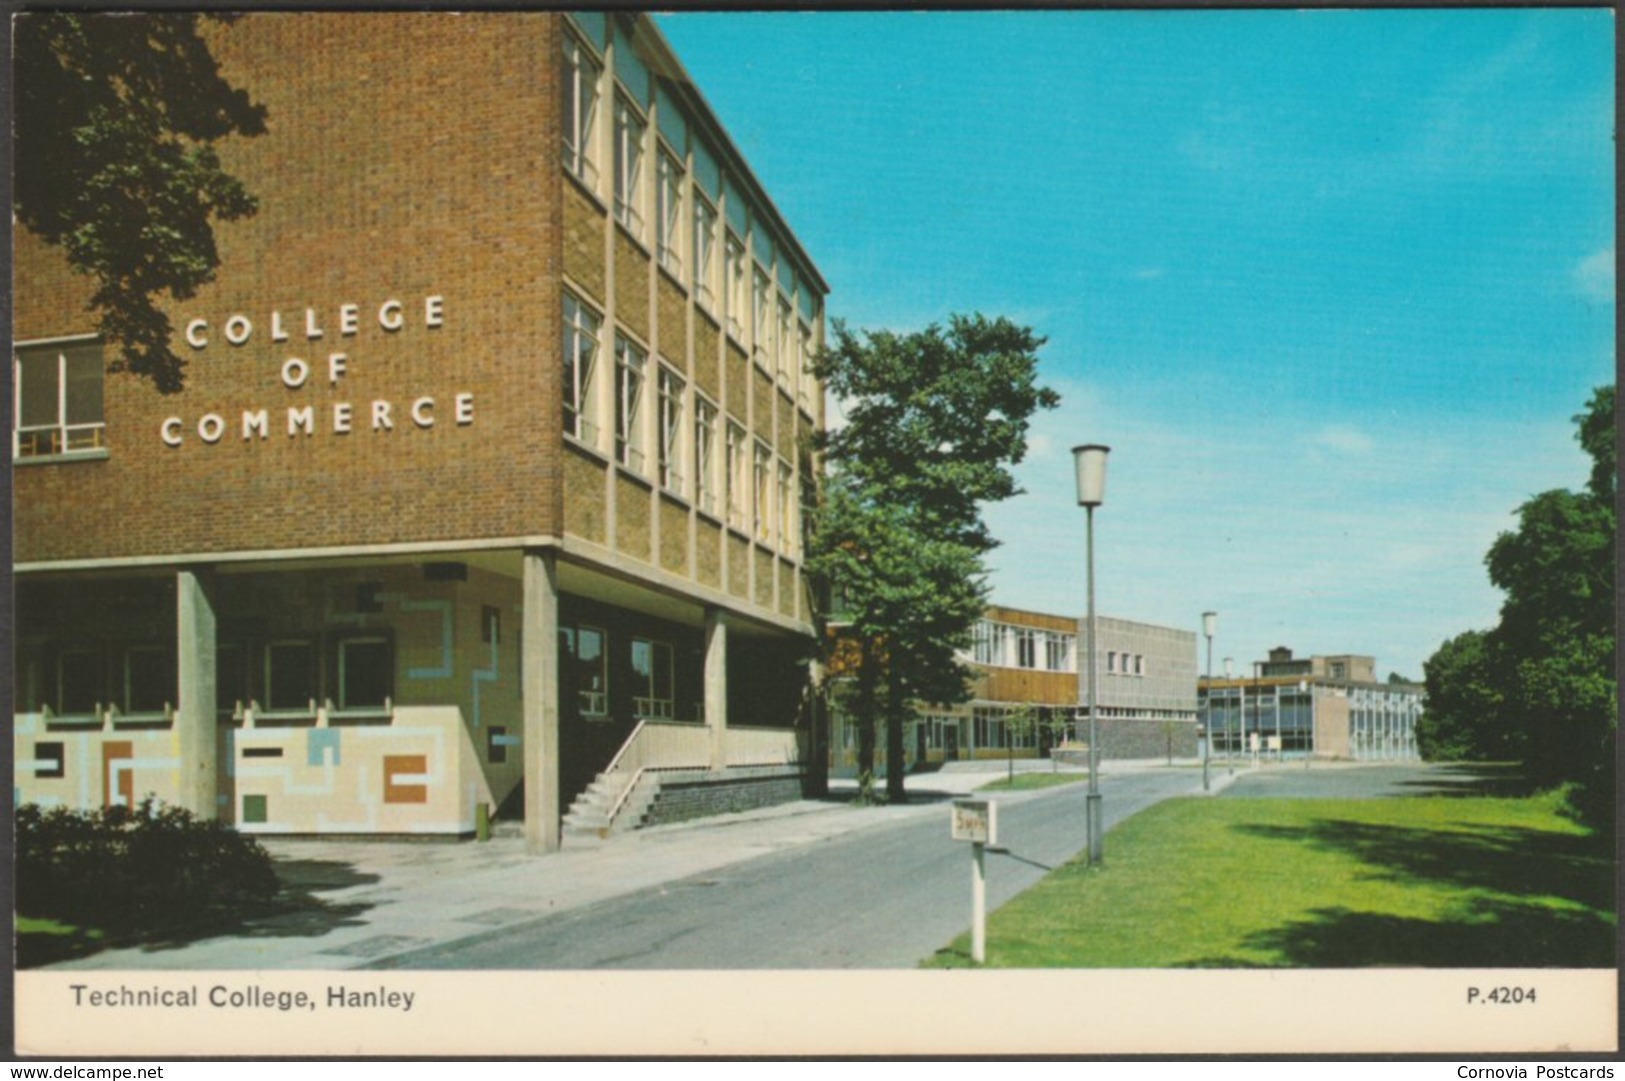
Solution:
(254, 809)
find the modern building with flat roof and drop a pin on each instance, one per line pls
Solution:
(488, 473)
(1328, 706)
(1029, 665)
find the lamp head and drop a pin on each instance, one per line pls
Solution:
(1089, 460)
(1210, 624)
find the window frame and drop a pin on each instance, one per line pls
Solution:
(307, 707)
(670, 182)
(580, 119)
(342, 673)
(631, 373)
(672, 389)
(704, 220)
(629, 155)
(651, 705)
(762, 492)
(736, 297)
(126, 680)
(705, 456)
(737, 474)
(579, 387)
(60, 434)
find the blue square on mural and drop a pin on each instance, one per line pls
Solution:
(319, 740)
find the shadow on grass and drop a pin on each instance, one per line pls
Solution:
(1484, 934)
(1535, 899)
(295, 912)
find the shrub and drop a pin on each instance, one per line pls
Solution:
(146, 867)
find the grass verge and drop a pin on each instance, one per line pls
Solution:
(1433, 882)
(1023, 782)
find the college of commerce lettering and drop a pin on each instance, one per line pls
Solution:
(297, 372)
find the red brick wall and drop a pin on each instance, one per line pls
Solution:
(408, 155)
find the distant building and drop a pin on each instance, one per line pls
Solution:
(1328, 706)
(1028, 664)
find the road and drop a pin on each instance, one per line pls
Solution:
(879, 898)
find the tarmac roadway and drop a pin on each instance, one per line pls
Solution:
(812, 884)
(879, 898)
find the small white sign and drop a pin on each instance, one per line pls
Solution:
(976, 820)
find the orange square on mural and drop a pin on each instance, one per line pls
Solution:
(112, 753)
(396, 765)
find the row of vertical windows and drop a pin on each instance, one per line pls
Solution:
(757, 488)
(1125, 664)
(585, 655)
(1012, 646)
(750, 299)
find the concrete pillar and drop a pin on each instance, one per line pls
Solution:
(539, 696)
(716, 685)
(195, 691)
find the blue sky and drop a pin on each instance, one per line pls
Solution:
(1330, 284)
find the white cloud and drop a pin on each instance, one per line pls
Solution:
(1344, 437)
(1595, 276)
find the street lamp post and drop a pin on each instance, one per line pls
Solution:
(1089, 460)
(1210, 623)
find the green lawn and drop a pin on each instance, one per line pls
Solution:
(1205, 883)
(41, 941)
(1026, 781)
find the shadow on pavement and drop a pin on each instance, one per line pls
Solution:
(295, 912)
(1499, 780)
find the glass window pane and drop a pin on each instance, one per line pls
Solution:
(84, 405)
(367, 673)
(37, 387)
(79, 687)
(291, 675)
(149, 677)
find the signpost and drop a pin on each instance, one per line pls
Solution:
(977, 821)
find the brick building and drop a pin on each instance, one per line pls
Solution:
(488, 471)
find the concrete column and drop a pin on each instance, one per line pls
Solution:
(716, 685)
(195, 691)
(540, 701)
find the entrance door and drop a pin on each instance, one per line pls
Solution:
(950, 742)
(920, 741)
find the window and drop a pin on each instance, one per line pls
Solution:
(1139, 664)
(585, 666)
(230, 679)
(1057, 651)
(580, 352)
(630, 362)
(762, 509)
(787, 509)
(1026, 648)
(705, 447)
(581, 72)
(669, 215)
(705, 248)
(671, 430)
(366, 673)
(290, 676)
(149, 680)
(629, 128)
(983, 643)
(78, 682)
(59, 399)
(651, 674)
(1111, 660)
(738, 481)
(785, 345)
(761, 328)
(733, 265)
(804, 365)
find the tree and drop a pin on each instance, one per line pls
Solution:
(116, 125)
(1542, 684)
(1464, 717)
(935, 420)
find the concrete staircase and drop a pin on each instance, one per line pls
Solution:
(590, 814)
